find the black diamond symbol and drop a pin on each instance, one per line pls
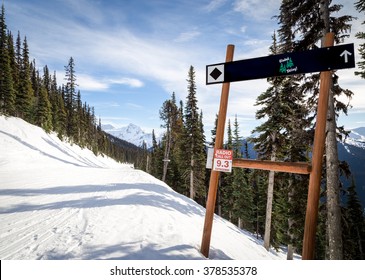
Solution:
(215, 73)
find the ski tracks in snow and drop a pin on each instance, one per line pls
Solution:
(46, 234)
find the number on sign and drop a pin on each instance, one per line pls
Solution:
(222, 163)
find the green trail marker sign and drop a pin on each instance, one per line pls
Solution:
(316, 60)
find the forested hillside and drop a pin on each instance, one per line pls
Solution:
(36, 97)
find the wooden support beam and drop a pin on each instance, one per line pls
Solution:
(317, 159)
(214, 176)
(279, 166)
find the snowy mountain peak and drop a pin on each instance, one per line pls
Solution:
(133, 129)
(357, 137)
(131, 133)
(358, 134)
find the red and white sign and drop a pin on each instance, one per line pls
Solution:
(223, 160)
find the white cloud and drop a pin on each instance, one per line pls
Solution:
(134, 106)
(134, 83)
(187, 36)
(257, 9)
(89, 83)
(214, 5)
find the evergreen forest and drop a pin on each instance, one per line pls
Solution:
(269, 204)
(38, 99)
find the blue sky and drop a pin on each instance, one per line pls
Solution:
(131, 55)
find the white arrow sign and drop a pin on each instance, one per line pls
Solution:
(345, 53)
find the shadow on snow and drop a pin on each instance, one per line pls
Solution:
(146, 194)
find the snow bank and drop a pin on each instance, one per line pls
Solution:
(59, 201)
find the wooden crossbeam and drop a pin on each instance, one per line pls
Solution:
(279, 166)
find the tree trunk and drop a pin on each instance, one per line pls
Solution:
(290, 253)
(240, 223)
(270, 195)
(192, 190)
(167, 152)
(148, 164)
(334, 228)
(291, 248)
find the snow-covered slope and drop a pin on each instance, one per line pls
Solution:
(58, 201)
(131, 133)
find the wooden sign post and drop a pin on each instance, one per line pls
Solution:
(214, 176)
(324, 59)
(311, 216)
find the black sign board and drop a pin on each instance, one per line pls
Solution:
(316, 60)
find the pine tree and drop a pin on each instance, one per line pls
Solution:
(44, 116)
(354, 233)
(226, 198)
(360, 6)
(169, 114)
(237, 140)
(79, 121)
(259, 181)
(18, 60)
(88, 126)
(14, 73)
(193, 141)
(48, 84)
(61, 114)
(243, 195)
(57, 105)
(276, 109)
(42, 105)
(201, 162)
(71, 100)
(172, 145)
(7, 93)
(177, 129)
(25, 93)
(156, 157)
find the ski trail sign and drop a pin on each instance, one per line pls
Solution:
(322, 60)
(315, 60)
